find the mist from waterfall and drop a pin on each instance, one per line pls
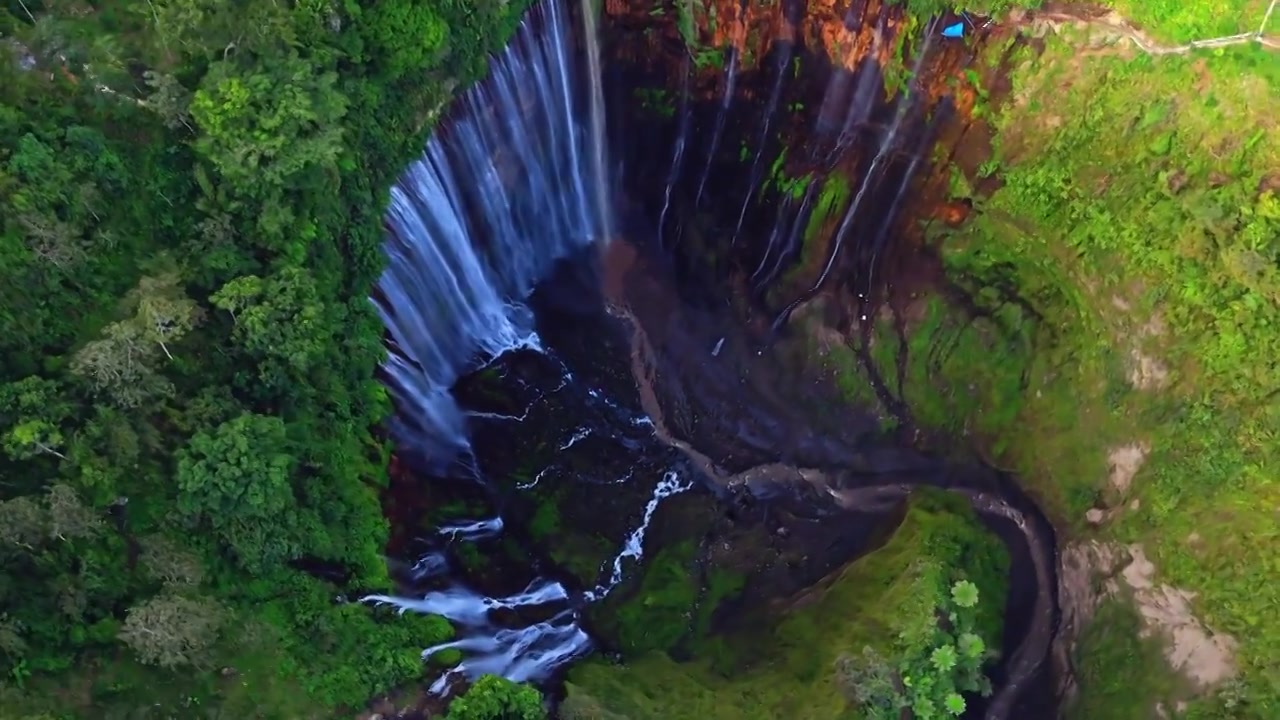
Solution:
(514, 181)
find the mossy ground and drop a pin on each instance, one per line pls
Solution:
(1125, 282)
(773, 663)
(1175, 21)
(1113, 665)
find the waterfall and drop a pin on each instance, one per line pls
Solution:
(671, 484)
(513, 182)
(595, 80)
(535, 650)
(730, 78)
(753, 178)
(888, 145)
(677, 153)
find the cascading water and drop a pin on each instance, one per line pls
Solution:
(513, 182)
(517, 181)
(781, 65)
(731, 77)
(677, 148)
(888, 145)
(529, 634)
(825, 219)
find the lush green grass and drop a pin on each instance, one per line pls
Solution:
(1130, 224)
(1179, 21)
(785, 666)
(1123, 673)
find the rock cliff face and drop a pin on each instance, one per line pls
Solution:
(796, 158)
(802, 159)
(796, 162)
(789, 145)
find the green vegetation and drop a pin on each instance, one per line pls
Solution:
(806, 662)
(929, 683)
(658, 100)
(833, 198)
(190, 204)
(1125, 291)
(693, 18)
(1180, 22)
(671, 606)
(496, 698)
(784, 184)
(1114, 666)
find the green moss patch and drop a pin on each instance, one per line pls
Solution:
(784, 663)
(1126, 292)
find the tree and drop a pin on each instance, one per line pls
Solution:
(120, 365)
(191, 25)
(280, 319)
(239, 294)
(169, 100)
(497, 698)
(60, 190)
(60, 244)
(43, 176)
(238, 481)
(165, 313)
(408, 36)
(69, 519)
(930, 678)
(172, 630)
(23, 522)
(870, 683)
(264, 125)
(964, 594)
(32, 438)
(11, 642)
(32, 411)
(165, 561)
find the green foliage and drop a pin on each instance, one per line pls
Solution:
(964, 594)
(657, 617)
(238, 481)
(171, 630)
(262, 127)
(1178, 22)
(798, 666)
(341, 654)
(546, 519)
(671, 605)
(930, 681)
(191, 195)
(1121, 672)
(496, 698)
(1124, 290)
(279, 322)
(408, 36)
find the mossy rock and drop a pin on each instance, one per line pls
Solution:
(783, 664)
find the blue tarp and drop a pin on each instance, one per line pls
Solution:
(953, 31)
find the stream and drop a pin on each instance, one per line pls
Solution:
(507, 255)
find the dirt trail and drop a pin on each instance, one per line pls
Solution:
(1114, 26)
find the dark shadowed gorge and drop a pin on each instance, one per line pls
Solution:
(639, 359)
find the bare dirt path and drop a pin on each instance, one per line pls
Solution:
(1113, 26)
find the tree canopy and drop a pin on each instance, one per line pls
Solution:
(191, 195)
